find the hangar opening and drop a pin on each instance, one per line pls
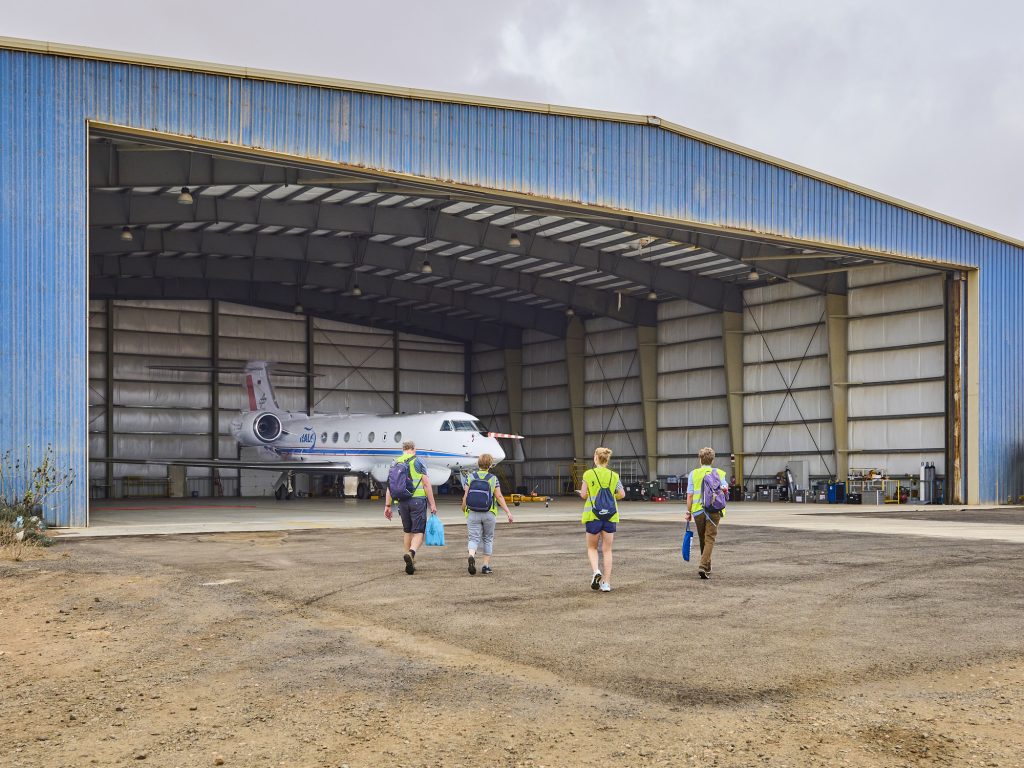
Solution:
(573, 327)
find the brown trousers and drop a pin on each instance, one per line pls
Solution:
(706, 533)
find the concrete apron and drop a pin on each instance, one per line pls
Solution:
(134, 517)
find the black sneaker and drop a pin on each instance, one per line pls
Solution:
(410, 567)
(595, 583)
(472, 566)
(486, 569)
(704, 574)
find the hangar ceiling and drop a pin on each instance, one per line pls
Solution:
(415, 257)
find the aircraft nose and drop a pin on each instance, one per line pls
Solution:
(496, 451)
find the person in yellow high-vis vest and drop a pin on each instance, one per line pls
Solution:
(706, 520)
(600, 523)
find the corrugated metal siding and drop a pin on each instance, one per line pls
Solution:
(786, 346)
(897, 364)
(692, 407)
(490, 388)
(355, 365)
(430, 374)
(546, 421)
(614, 416)
(45, 100)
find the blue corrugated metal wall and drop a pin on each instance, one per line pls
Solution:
(45, 101)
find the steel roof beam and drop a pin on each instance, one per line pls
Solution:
(272, 295)
(357, 251)
(269, 268)
(118, 209)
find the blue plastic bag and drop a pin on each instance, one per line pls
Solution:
(687, 537)
(434, 535)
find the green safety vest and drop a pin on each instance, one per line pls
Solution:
(417, 477)
(698, 476)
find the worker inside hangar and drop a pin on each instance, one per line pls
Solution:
(817, 374)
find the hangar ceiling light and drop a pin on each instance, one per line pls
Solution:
(126, 235)
(514, 241)
(356, 290)
(753, 275)
(652, 295)
(185, 197)
(426, 269)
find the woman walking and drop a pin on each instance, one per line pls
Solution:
(599, 490)
(480, 500)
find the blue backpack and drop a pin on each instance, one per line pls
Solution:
(479, 494)
(400, 481)
(604, 507)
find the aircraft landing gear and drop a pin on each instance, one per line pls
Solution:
(284, 489)
(363, 491)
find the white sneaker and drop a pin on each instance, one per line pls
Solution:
(606, 587)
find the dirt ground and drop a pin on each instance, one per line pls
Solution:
(315, 649)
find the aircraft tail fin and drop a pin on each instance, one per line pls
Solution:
(258, 391)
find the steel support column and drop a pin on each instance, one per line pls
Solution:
(108, 418)
(396, 378)
(575, 341)
(973, 388)
(732, 339)
(214, 382)
(310, 365)
(467, 375)
(647, 347)
(954, 390)
(837, 309)
(514, 388)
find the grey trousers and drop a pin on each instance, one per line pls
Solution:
(480, 528)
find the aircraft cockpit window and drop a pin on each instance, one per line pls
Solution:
(370, 437)
(334, 437)
(398, 437)
(465, 426)
(479, 427)
(446, 427)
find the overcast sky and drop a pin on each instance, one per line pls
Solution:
(920, 99)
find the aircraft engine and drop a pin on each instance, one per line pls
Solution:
(260, 429)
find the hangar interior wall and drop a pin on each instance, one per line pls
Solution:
(692, 407)
(787, 402)
(614, 412)
(547, 424)
(168, 414)
(897, 369)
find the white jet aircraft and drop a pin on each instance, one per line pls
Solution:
(362, 444)
(446, 441)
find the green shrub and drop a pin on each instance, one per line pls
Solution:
(25, 490)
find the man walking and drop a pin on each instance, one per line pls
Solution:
(409, 486)
(706, 520)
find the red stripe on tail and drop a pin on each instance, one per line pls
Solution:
(252, 392)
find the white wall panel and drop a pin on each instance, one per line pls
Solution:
(897, 365)
(693, 413)
(897, 399)
(687, 384)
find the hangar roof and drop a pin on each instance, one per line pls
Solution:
(368, 211)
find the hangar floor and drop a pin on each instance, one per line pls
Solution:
(313, 648)
(132, 517)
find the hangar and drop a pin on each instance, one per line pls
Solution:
(577, 276)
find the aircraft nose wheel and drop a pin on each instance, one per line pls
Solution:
(363, 491)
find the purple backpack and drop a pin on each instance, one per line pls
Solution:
(712, 492)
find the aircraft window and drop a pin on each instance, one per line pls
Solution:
(446, 427)
(370, 437)
(348, 436)
(323, 437)
(465, 426)
(359, 437)
(398, 437)
(334, 437)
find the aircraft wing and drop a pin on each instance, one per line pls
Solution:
(337, 466)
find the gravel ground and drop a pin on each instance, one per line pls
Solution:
(315, 649)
